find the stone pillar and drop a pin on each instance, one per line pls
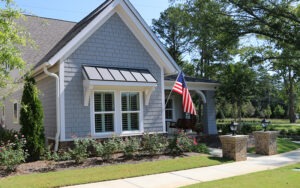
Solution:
(234, 147)
(209, 114)
(265, 142)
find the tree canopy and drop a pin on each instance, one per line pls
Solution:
(12, 37)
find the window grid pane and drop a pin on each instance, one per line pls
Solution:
(130, 111)
(104, 123)
(104, 112)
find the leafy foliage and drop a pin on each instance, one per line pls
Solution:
(80, 151)
(130, 147)
(12, 38)
(31, 119)
(154, 144)
(180, 143)
(13, 154)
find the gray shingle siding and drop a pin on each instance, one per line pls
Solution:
(47, 87)
(209, 114)
(9, 109)
(114, 45)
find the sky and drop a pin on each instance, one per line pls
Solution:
(75, 10)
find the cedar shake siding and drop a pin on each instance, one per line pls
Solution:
(112, 45)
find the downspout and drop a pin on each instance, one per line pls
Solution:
(57, 105)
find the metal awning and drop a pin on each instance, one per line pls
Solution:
(98, 77)
(118, 74)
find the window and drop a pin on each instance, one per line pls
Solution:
(104, 109)
(169, 110)
(15, 115)
(130, 111)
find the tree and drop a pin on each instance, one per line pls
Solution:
(169, 30)
(31, 119)
(237, 86)
(212, 35)
(12, 38)
(277, 20)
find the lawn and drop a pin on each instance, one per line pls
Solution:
(88, 175)
(283, 145)
(281, 177)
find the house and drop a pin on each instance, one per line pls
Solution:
(107, 74)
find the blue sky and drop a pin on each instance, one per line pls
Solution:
(75, 10)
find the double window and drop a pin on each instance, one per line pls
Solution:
(116, 112)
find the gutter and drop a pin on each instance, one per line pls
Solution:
(57, 104)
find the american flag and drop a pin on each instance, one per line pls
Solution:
(181, 88)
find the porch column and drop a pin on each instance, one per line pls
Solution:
(209, 114)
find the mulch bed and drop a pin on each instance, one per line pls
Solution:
(52, 166)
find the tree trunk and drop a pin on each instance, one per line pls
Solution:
(239, 112)
(292, 115)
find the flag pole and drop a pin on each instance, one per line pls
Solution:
(172, 90)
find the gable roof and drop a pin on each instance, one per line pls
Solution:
(74, 31)
(95, 19)
(45, 32)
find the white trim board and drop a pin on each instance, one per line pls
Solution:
(135, 23)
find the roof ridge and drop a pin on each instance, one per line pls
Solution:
(30, 15)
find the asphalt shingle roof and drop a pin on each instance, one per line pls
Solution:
(190, 79)
(45, 33)
(74, 31)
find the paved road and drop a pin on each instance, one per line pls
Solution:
(254, 163)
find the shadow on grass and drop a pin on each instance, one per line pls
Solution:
(220, 159)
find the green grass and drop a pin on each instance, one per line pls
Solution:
(281, 177)
(286, 145)
(283, 145)
(88, 175)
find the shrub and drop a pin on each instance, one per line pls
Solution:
(292, 132)
(200, 148)
(283, 132)
(180, 143)
(130, 146)
(13, 154)
(97, 148)
(223, 128)
(31, 119)
(80, 151)
(154, 144)
(7, 135)
(110, 146)
(298, 131)
(55, 156)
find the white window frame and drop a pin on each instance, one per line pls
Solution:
(93, 113)
(117, 114)
(15, 119)
(173, 109)
(139, 112)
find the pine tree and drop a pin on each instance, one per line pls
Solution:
(31, 119)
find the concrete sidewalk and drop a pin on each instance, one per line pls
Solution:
(254, 163)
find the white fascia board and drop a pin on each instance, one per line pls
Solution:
(194, 85)
(144, 34)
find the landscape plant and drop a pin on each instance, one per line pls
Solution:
(31, 119)
(154, 144)
(80, 151)
(13, 154)
(130, 147)
(110, 146)
(180, 143)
